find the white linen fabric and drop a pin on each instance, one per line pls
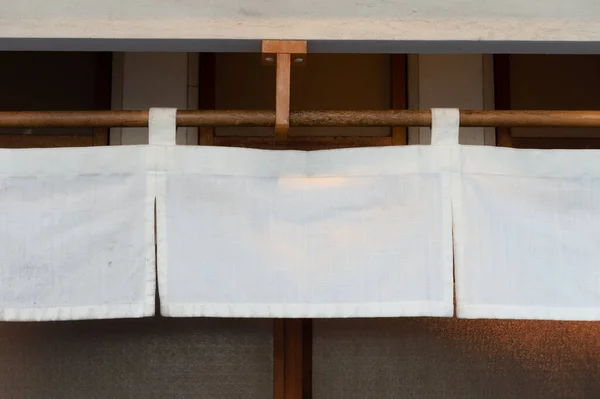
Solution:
(77, 233)
(337, 233)
(161, 124)
(527, 234)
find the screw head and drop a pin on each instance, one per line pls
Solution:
(269, 59)
(299, 60)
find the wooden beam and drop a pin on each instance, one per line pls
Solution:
(295, 47)
(282, 97)
(307, 343)
(294, 349)
(321, 118)
(282, 51)
(298, 359)
(279, 359)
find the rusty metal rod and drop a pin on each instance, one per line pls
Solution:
(348, 118)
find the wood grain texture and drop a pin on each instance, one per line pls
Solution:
(278, 359)
(284, 46)
(282, 96)
(139, 118)
(283, 50)
(294, 351)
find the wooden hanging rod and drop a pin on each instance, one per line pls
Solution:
(349, 118)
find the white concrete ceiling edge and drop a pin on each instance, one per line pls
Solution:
(363, 35)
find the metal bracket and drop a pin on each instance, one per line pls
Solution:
(283, 53)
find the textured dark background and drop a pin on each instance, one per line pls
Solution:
(450, 358)
(409, 358)
(146, 358)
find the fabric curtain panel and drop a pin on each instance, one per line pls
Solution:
(76, 233)
(336, 233)
(365, 232)
(527, 234)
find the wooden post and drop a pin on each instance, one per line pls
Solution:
(292, 359)
(282, 97)
(283, 53)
